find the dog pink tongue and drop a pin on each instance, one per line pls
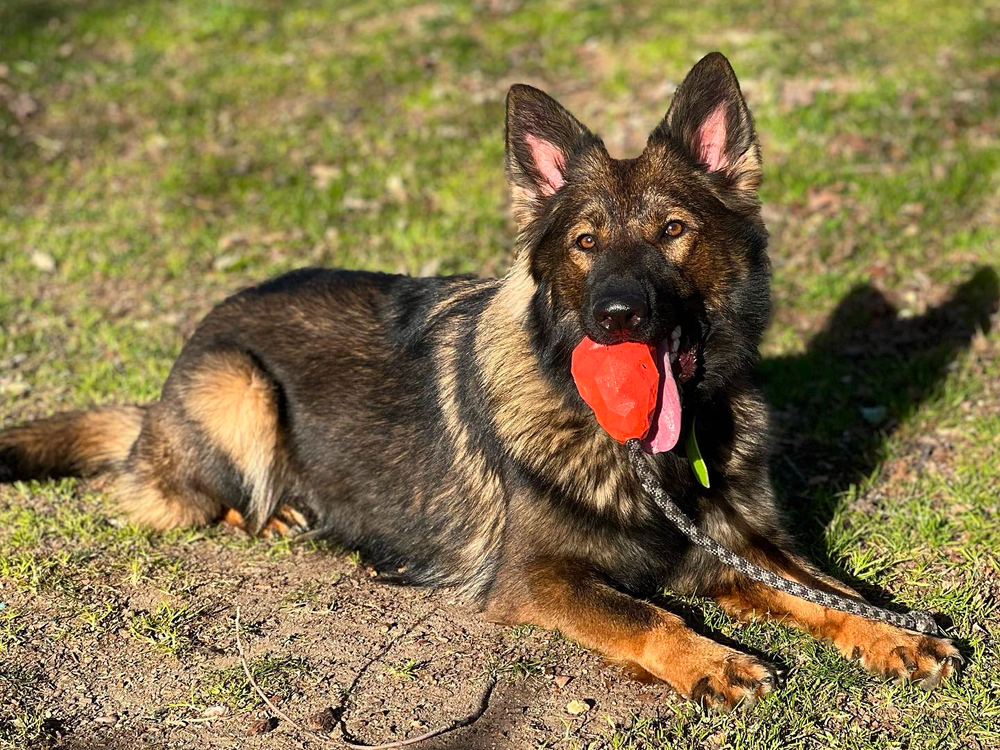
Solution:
(666, 427)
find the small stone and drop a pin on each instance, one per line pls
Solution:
(215, 711)
(43, 261)
(874, 414)
(263, 726)
(561, 680)
(575, 708)
(322, 721)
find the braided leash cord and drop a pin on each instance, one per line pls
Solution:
(916, 620)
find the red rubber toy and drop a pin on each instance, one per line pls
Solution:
(620, 383)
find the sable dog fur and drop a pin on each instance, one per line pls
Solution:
(433, 423)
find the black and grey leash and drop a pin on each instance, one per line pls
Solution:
(916, 620)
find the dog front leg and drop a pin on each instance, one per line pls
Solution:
(880, 647)
(569, 597)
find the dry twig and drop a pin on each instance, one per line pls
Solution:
(484, 702)
(253, 683)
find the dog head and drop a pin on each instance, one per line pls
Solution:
(667, 248)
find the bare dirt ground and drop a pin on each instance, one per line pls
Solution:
(411, 659)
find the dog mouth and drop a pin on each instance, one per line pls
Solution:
(634, 387)
(682, 355)
(677, 361)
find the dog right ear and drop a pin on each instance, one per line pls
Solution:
(542, 140)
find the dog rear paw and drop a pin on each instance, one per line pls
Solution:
(285, 522)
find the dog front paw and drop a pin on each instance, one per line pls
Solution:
(900, 654)
(735, 681)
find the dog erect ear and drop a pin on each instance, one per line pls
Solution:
(709, 119)
(542, 140)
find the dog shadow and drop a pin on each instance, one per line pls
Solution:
(837, 404)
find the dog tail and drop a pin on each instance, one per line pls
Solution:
(79, 443)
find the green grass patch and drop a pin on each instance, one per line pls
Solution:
(278, 677)
(168, 628)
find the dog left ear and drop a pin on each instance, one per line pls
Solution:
(709, 119)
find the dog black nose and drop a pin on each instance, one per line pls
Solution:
(620, 314)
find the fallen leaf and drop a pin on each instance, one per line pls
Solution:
(324, 175)
(263, 726)
(232, 239)
(322, 721)
(22, 106)
(396, 188)
(225, 262)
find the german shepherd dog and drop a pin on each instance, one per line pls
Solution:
(433, 424)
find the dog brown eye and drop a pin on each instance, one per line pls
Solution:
(586, 242)
(673, 229)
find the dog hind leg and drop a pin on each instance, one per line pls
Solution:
(211, 450)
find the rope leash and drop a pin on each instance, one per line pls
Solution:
(916, 620)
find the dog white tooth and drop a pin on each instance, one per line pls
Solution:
(675, 346)
(676, 335)
(673, 356)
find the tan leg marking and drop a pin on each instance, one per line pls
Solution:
(236, 406)
(152, 490)
(567, 597)
(881, 648)
(233, 517)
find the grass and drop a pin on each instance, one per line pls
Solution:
(519, 666)
(12, 630)
(277, 676)
(405, 670)
(168, 628)
(156, 156)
